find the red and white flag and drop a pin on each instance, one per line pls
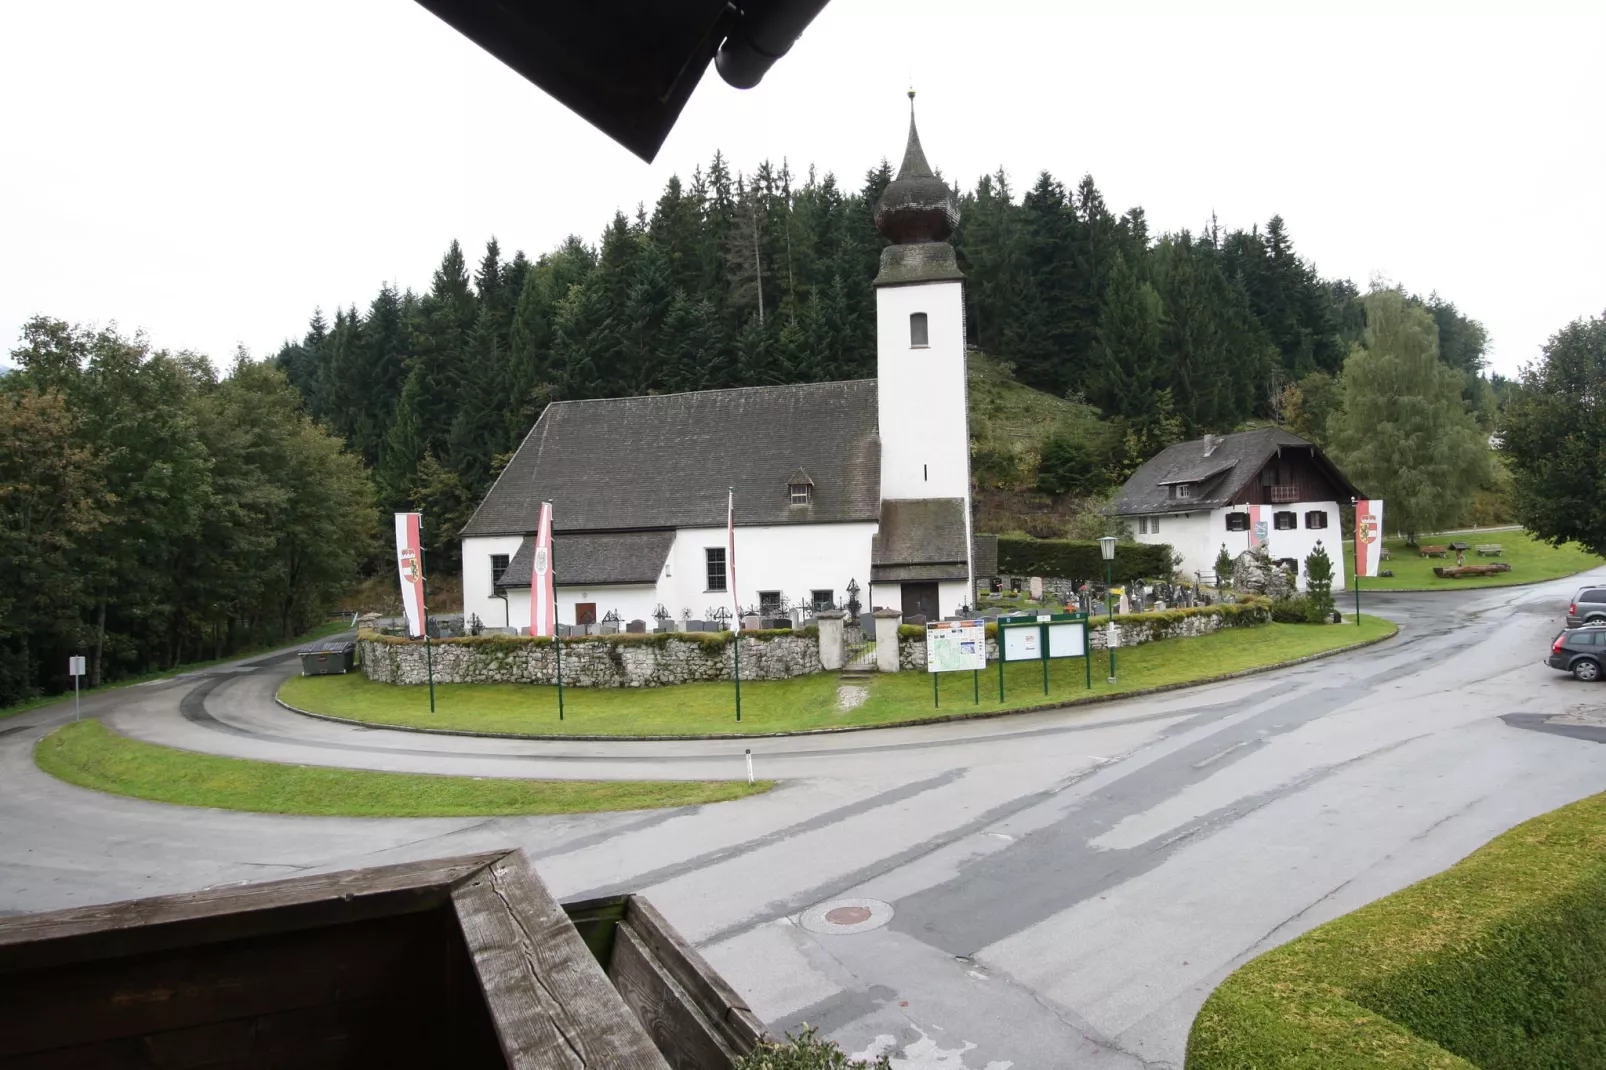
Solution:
(1368, 536)
(730, 554)
(410, 564)
(543, 607)
(1257, 528)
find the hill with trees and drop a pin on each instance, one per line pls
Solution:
(733, 279)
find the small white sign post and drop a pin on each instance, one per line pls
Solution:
(75, 666)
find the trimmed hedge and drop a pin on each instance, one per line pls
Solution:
(1070, 559)
(1497, 963)
(1248, 611)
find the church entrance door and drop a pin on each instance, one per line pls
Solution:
(921, 598)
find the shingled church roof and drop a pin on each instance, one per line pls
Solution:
(665, 461)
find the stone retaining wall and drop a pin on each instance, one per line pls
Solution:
(593, 661)
(1134, 629)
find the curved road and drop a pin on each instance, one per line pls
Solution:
(1065, 888)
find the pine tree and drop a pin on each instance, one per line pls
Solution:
(1319, 584)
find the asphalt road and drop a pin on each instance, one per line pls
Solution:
(1040, 891)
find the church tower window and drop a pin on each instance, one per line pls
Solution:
(918, 336)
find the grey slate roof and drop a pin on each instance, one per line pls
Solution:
(595, 559)
(920, 539)
(1217, 477)
(665, 461)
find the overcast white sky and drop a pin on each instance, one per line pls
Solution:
(210, 172)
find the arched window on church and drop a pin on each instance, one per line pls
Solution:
(918, 339)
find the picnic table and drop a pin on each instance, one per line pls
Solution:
(1490, 549)
(1433, 551)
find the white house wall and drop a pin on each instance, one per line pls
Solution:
(925, 451)
(1199, 537)
(793, 559)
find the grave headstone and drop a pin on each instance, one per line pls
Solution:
(636, 627)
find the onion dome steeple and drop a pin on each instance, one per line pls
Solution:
(917, 213)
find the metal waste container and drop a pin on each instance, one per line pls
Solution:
(328, 659)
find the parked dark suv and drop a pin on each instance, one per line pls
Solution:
(1588, 606)
(1580, 651)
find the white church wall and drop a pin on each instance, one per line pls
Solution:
(1189, 534)
(630, 601)
(951, 594)
(478, 594)
(925, 448)
(793, 559)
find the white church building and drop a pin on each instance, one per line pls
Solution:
(865, 482)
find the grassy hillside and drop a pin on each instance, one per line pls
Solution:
(1009, 423)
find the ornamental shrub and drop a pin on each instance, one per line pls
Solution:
(1319, 584)
(1296, 610)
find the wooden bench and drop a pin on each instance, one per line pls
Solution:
(1434, 551)
(1491, 549)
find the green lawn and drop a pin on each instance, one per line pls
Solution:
(1530, 559)
(86, 753)
(809, 701)
(334, 627)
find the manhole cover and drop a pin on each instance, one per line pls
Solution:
(844, 917)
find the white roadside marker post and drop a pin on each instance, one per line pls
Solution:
(749, 765)
(75, 666)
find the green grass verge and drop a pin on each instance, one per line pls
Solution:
(809, 701)
(1497, 963)
(86, 753)
(334, 627)
(1531, 560)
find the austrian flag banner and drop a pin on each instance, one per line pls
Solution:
(730, 553)
(543, 608)
(410, 563)
(1368, 536)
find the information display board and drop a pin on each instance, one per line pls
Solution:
(1021, 643)
(956, 646)
(1067, 639)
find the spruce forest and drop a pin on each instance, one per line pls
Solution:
(736, 280)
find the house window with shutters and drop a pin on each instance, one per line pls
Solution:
(918, 336)
(1285, 521)
(716, 567)
(1316, 518)
(1237, 521)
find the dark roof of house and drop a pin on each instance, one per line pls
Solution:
(1217, 475)
(594, 560)
(920, 539)
(665, 461)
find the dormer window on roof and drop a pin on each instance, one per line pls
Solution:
(801, 488)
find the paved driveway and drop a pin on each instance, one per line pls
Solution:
(1041, 891)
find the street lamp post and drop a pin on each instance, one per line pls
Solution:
(1107, 549)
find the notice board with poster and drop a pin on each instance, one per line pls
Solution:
(956, 646)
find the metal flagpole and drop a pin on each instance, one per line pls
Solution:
(557, 645)
(1356, 579)
(736, 605)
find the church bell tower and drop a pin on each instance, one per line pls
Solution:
(920, 365)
